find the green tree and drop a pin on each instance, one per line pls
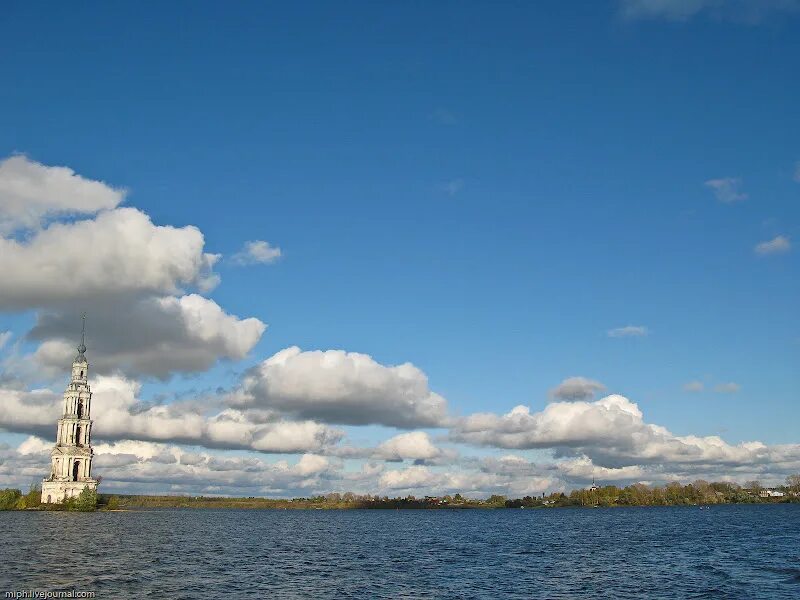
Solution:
(33, 499)
(9, 498)
(754, 486)
(87, 501)
(113, 503)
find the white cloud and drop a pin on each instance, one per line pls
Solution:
(20, 469)
(349, 388)
(416, 445)
(727, 388)
(257, 252)
(128, 465)
(129, 274)
(510, 477)
(311, 464)
(445, 116)
(745, 11)
(667, 9)
(31, 192)
(452, 187)
(34, 445)
(727, 189)
(559, 424)
(408, 478)
(582, 469)
(628, 331)
(133, 466)
(612, 433)
(576, 388)
(119, 414)
(158, 336)
(694, 386)
(35, 412)
(4, 337)
(780, 244)
(120, 253)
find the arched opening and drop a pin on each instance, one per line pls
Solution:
(78, 436)
(81, 374)
(80, 408)
(75, 466)
(48, 498)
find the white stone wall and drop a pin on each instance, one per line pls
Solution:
(58, 491)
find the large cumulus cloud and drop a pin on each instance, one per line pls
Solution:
(612, 433)
(157, 336)
(341, 387)
(67, 247)
(137, 466)
(416, 445)
(119, 414)
(119, 253)
(31, 192)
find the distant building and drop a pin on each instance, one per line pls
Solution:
(771, 494)
(593, 487)
(71, 458)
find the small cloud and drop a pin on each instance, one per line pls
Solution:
(671, 10)
(780, 244)
(4, 337)
(445, 117)
(727, 388)
(576, 388)
(452, 187)
(256, 252)
(727, 189)
(694, 386)
(749, 12)
(629, 331)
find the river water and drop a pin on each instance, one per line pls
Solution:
(656, 552)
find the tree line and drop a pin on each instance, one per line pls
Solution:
(699, 492)
(14, 499)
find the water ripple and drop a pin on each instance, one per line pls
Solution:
(726, 552)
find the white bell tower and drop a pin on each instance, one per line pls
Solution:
(71, 458)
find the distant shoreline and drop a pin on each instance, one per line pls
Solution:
(700, 493)
(229, 506)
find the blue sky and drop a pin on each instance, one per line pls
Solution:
(482, 190)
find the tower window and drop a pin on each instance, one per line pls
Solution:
(81, 373)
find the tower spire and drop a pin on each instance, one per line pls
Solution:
(82, 347)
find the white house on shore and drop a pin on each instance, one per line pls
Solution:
(71, 458)
(771, 494)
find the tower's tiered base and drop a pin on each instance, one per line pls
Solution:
(58, 491)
